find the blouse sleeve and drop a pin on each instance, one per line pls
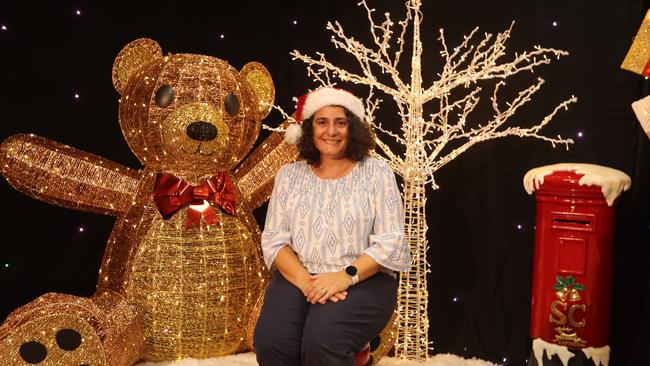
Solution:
(276, 232)
(387, 244)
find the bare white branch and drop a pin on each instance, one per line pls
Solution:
(450, 130)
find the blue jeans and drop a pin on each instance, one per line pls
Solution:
(292, 332)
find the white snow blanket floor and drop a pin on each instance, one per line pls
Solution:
(248, 359)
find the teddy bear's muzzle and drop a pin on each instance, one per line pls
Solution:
(201, 131)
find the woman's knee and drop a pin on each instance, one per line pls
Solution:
(275, 347)
(326, 338)
(261, 340)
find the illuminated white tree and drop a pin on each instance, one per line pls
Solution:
(433, 141)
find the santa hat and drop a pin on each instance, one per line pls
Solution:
(311, 102)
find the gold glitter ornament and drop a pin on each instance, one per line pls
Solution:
(638, 55)
(164, 291)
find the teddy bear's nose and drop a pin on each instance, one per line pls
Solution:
(201, 131)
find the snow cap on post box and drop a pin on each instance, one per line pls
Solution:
(612, 182)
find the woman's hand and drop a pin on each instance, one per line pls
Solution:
(330, 286)
(339, 297)
(304, 284)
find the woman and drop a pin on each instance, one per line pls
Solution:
(334, 236)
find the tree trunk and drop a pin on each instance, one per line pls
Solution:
(413, 322)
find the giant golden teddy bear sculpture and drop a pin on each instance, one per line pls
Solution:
(182, 270)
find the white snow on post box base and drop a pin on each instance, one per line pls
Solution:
(599, 355)
(539, 346)
(612, 182)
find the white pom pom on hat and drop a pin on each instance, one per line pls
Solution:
(293, 133)
(311, 102)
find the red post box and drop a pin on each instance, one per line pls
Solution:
(572, 265)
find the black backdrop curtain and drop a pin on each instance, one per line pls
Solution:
(480, 219)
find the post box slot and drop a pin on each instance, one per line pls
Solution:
(573, 221)
(578, 222)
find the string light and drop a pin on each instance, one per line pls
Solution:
(81, 229)
(78, 12)
(221, 36)
(76, 96)
(580, 134)
(424, 139)
(554, 23)
(519, 227)
(295, 22)
(6, 265)
(3, 27)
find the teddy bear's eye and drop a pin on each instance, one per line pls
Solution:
(231, 102)
(164, 96)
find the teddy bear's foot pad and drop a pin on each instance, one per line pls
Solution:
(49, 340)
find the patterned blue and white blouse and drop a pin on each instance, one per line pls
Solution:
(331, 222)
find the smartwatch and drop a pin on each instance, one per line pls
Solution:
(353, 273)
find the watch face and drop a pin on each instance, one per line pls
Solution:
(351, 271)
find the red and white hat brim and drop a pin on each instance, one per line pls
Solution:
(327, 96)
(310, 103)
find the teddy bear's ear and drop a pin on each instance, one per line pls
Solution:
(259, 78)
(131, 57)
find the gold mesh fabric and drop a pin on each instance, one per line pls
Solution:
(131, 58)
(639, 52)
(256, 174)
(64, 176)
(260, 80)
(388, 337)
(195, 288)
(200, 85)
(110, 329)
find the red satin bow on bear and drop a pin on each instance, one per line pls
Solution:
(172, 193)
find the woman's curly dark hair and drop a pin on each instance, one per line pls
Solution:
(360, 141)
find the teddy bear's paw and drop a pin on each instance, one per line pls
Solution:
(49, 340)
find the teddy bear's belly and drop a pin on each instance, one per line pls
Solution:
(194, 289)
